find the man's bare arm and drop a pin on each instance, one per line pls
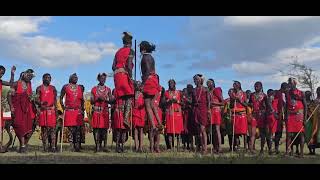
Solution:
(63, 93)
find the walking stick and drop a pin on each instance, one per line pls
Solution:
(303, 126)
(174, 134)
(234, 122)
(211, 132)
(61, 140)
(135, 66)
(131, 127)
(14, 140)
(111, 139)
(134, 98)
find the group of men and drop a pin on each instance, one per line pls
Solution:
(198, 116)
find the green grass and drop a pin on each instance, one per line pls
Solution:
(87, 156)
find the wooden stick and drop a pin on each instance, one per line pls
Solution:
(234, 122)
(174, 134)
(64, 115)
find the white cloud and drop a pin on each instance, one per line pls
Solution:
(253, 68)
(16, 43)
(19, 25)
(254, 44)
(261, 20)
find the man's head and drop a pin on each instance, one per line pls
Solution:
(237, 85)
(46, 79)
(210, 83)
(184, 91)
(308, 95)
(189, 88)
(172, 84)
(230, 91)
(270, 92)
(248, 93)
(198, 79)
(138, 86)
(258, 86)
(127, 39)
(73, 78)
(292, 82)
(284, 87)
(102, 77)
(146, 47)
(318, 91)
(28, 75)
(2, 71)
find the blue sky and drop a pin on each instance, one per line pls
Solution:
(248, 49)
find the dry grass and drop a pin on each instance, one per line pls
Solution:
(87, 156)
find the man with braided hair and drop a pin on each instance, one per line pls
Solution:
(238, 109)
(258, 102)
(216, 102)
(151, 87)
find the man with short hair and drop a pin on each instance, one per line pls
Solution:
(74, 110)
(296, 108)
(46, 100)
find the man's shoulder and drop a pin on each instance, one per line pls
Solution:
(39, 87)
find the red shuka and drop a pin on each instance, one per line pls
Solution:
(239, 121)
(123, 83)
(118, 119)
(73, 116)
(174, 119)
(47, 116)
(273, 120)
(258, 110)
(100, 116)
(216, 97)
(151, 86)
(201, 106)
(139, 112)
(24, 111)
(295, 112)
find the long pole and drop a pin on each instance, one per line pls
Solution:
(174, 134)
(234, 122)
(61, 140)
(135, 68)
(135, 79)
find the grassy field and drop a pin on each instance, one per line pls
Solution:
(87, 156)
